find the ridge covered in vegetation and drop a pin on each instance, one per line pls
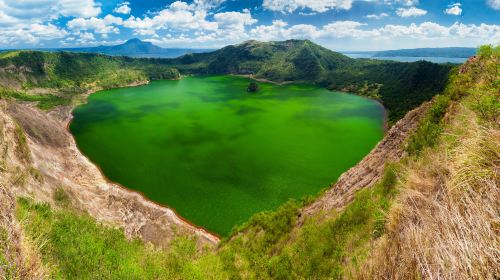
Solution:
(399, 86)
(57, 78)
(434, 214)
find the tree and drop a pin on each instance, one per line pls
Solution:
(253, 87)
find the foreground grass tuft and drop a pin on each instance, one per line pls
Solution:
(75, 246)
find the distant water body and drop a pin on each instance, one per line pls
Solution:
(458, 60)
(218, 154)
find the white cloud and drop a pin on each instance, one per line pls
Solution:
(108, 24)
(408, 2)
(77, 8)
(31, 11)
(343, 29)
(29, 22)
(123, 8)
(206, 5)
(179, 15)
(426, 32)
(31, 33)
(377, 16)
(275, 31)
(289, 6)
(234, 20)
(495, 4)
(410, 12)
(402, 2)
(454, 9)
(303, 31)
(179, 5)
(87, 36)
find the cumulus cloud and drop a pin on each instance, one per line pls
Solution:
(42, 10)
(495, 4)
(408, 2)
(234, 20)
(105, 25)
(23, 13)
(289, 6)
(77, 8)
(179, 15)
(402, 2)
(377, 16)
(123, 8)
(29, 22)
(454, 9)
(410, 12)
(353, 30)
(31, 33)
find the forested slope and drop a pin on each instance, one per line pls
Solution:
(55, 78)
(399, 86)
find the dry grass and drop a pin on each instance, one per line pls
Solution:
(446, 222)
(22, 149)
(18, 257)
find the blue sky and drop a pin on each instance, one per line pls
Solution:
(336, 24)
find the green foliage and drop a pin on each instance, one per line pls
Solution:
(61, 197)
(253, 87)
(484, 94)
(270, 246)
(44, 101)
(400, 86)
(486, 103)
(22, 149)
(430, 128)
(7, 268)
(76, 247)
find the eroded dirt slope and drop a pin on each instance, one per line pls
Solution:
(39, 156)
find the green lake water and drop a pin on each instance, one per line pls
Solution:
(217, 154)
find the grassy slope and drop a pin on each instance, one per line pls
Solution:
(445, 222)
(66, 75)
(429, 202)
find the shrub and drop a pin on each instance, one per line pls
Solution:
(427, 134)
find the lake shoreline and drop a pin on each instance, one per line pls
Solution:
(67, 121)
(163, 204)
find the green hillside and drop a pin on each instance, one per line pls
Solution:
(54, 78)
(399, 86)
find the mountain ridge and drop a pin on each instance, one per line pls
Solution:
(459, 52)
(399, 86)
(133, 48)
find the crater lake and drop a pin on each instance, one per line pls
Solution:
(218, 154)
